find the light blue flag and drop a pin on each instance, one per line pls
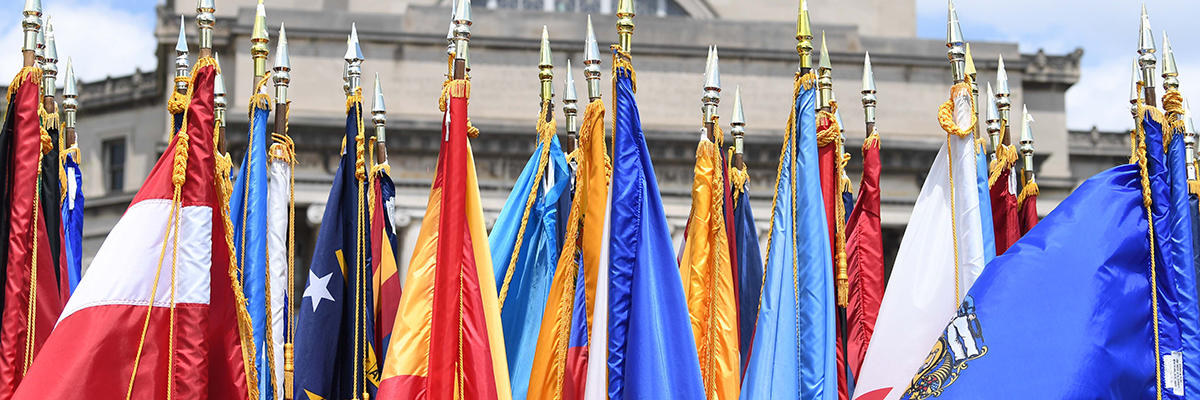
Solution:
(651, 350)
(72, 219)
(248, 213)
(793, 347)
(524, 285)
(985, 205)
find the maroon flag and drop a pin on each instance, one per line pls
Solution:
(1004, 206)
(864, 255)
(1027, 204)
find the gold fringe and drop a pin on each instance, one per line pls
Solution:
(33, 73)
(1030, 189)
(1194, 187)
(1006, 157)
(457, 88)
(872, 140)
(259, 101)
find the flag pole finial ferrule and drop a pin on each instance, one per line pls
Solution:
(591, 62)
(957, 52)
(50, 62)
(462, 32)
(259, 40)
(379, 112)
(868, 90)
(282, 73)
(206, 19)
(625, 16)
(354, 59)
(39, 53)
(804, 37)
(1146, 59)
(825, 76)
(219, 101)
(1170, 71)
(182, 68)
(993, 119)
(712, 85)
(570, 103)
(546, 68)
(31, 24)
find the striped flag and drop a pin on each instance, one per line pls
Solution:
(385, 276)
(940, 257)
(158, 313)
(447, 341)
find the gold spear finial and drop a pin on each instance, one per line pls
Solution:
(546, 69)
(625, 24)
(1003, 100)
(1170, 71)
(954, 40)
(825, 76)
(804, 36)
(206, 19)
(258, 42)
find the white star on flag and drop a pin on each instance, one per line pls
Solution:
(318, 288)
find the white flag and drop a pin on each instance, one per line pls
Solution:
(926, 283)
(279, 197)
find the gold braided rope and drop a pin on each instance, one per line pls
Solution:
(546, 130)
(946, 120)
(178, 102)
(832, 135)
(284, 149)
(1173, 121)
(1148, 204)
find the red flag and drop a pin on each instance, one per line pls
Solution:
(830, 162)
(1004, 208)
(864, 254)
(30, 266)
(1027, 204)
(157, 316)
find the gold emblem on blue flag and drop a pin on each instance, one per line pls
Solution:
(962, 341)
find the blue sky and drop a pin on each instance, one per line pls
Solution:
(112, 37)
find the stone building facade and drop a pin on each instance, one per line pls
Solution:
(123, 121)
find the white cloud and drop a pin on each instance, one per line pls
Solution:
(1107, 30)
(102, 37)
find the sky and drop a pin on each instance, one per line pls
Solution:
(112, 37)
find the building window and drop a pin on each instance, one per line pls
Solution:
(659, 8)
(114, 164)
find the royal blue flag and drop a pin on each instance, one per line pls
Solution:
(793, 353)
(72, 218)
(750, 270)
(651, 350)
(335, 357)
(248, 213)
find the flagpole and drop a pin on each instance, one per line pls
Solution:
(1003, 106)
(868, 94)
(462, 36)
(712, 94)
(353, 71)
(804, 36)
(1146, 60)
(219, 101)
(570, 110)
(281, 76)
(546, 75)
(379, 118)
(737, 128)
(31, 24)
(258, 45)
(70, 103)
(49, 69)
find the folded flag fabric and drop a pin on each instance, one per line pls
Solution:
(793, 352)
(72, 217)
(864, 256)
(749, 262)
(385, 272)
(281, 214)
(447, 342)
(158, 315)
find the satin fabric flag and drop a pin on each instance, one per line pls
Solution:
(248, 212)
(749, 263)
(793, 353)
(525, 250)
(648, 345)
(336, 356)
(72, 217)
(930, 274)
(828, 151)
(1027, 206)
(1083, 273)
(50, 191)
(385, 276)
(1005, 224)
(709, 284)
(560, 361)
(32, 301)
(864, 256)
(1179, 317)
(985, 202)
(447, 342)
(157, 310)
(281, 213)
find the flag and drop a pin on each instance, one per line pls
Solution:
(560, 361)
(158, 310)
(385, 273)
(32, 300)
(939, 259)
(864, 257)
(793, 352)
(985, 200)
(335, 352)
(829, 145)
(72, 217)
(1027, 207)
(1003, 194)
(248, 208)
(281, 219)
(1083, 272)
(709, 284)
(50, 191)
(447, 341)
(525, 250)
(640, 338)
(749, 262)
(1178, 293)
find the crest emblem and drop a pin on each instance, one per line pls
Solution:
(962, 341)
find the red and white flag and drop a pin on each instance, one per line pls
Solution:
(155, 317)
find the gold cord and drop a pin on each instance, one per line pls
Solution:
(546, 131)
